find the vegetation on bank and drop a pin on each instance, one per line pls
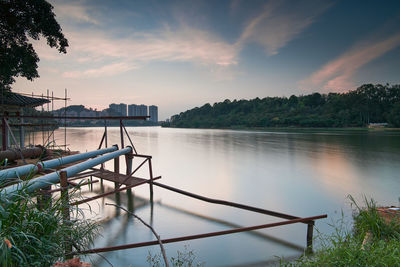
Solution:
(367, 104)
(373, 241)
(33, 236)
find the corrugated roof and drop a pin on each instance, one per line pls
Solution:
(14, 99)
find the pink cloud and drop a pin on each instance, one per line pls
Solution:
(183, 45)
(73, 10)
(106, 70)
(280, 22)
(338, 74)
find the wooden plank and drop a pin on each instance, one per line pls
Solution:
(118, 178)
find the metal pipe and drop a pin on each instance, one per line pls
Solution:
(51, 164)
(12, 154)
(53, 178)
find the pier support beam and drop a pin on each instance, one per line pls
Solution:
(310, 230)
(151, 180)
(4, 133)
(116, 185)
(65, 212)
(129, 161)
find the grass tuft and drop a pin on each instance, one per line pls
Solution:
(30, 236)
(349, 248)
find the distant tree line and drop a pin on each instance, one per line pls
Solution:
(357, 108)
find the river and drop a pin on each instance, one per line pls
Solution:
(299, 172)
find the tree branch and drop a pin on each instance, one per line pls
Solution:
(151, 228)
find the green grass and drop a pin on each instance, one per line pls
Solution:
(37, 237)
(345, 248)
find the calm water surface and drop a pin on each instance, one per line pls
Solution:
(304, 173)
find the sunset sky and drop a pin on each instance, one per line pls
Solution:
(182, 54)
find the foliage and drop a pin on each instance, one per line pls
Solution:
(357, 108)
(30, 236)
(20, 20)
(346, 248)
(368, 220)
(186, 258)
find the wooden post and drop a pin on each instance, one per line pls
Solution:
(65, 212)
(310, 230)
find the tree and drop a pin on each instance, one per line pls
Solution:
(19, 21)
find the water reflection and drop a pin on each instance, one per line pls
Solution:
(299, 172)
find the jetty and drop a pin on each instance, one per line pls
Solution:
(53, 168)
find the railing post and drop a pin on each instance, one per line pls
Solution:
(151, 180)
(121, 133)
(116, 184)
(116, 171)
(21, 130)
(129, 160)
(310, 230)
(65, 212)
(4, 133)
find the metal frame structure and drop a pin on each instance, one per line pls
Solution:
(128, 181)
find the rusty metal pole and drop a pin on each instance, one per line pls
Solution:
(121, 133)
(116, 184)
(44, 198)
(4, 133)
(116, 171)
(65, 212)
(105, 131)
(21, 130)
(129, 160)
(310, 230)
(151, 180)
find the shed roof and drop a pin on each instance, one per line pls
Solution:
(14, 99)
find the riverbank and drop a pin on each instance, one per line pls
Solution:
(307, 129)
(373, 241)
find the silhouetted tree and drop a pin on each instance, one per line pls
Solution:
(20, 20)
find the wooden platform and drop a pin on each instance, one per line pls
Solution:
(118, 178)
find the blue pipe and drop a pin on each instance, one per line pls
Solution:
(21, 171)
(53, 178)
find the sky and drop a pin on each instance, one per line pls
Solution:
(182, 54)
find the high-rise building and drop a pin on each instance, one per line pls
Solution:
(119, 108)
(141, 110)
(153, 113)
(123, 109)
(114, 107)
(132, 110)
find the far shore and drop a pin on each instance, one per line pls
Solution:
(293, 128)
